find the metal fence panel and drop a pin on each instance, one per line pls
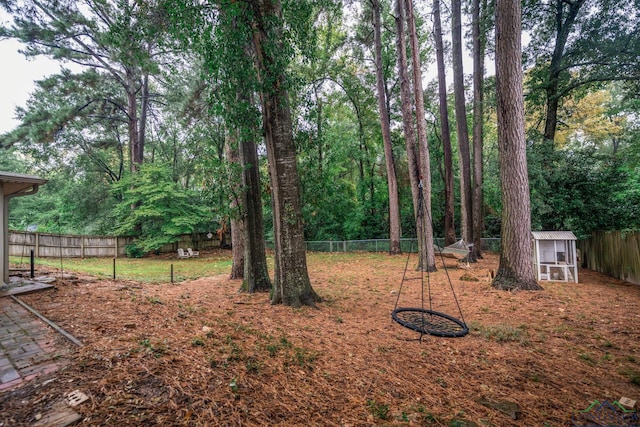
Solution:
(381, 245)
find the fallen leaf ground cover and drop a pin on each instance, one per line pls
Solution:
(200, 353)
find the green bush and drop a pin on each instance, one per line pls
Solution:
(132, 250)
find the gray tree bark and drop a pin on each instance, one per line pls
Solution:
(237, 210)
(445, 131)
(256, 273)
(515, 270)
(292, 285)
(466, 208)
(392, 180)
(427, 257)
(478, 127)
(423, 145)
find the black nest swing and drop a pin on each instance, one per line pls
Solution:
(430, 322)
(427, 321)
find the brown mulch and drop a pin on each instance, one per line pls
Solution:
(199, 353)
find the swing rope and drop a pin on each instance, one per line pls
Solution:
(422, 320)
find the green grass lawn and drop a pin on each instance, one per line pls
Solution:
(158, 270)
(154, 270)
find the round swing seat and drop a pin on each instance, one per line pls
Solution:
(430, 322)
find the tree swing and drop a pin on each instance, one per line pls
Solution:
(424, 319)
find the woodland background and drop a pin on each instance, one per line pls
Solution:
(74, 129)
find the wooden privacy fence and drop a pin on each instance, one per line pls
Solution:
(21, 243)
(613, 253)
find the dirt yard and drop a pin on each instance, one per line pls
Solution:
(199, 353)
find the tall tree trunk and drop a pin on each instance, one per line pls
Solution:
(563, 28)
(243, 115)
(449, 195)
(478, 122)
(292, 285)
(319, 135)
(362, 153)
(144, 112)
(132, 127)
(237, 243)
(516, 266)
(136, 151)
(132, 131)
(392, 181)
(427, 257)
(421, 125)
(466, 207)
(237, 209)
(256, 273)
(362, 187)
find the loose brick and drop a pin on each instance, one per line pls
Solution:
(9, 375)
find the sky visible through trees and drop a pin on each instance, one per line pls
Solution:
(144, 126)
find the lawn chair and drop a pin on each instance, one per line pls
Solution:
(193, 253)
(182, 253)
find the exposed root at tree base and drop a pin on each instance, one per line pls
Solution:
(509, 281)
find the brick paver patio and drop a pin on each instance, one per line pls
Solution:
(27, 346)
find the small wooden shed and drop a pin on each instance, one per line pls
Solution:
(554, 256)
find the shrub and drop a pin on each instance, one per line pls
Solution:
(132, 250)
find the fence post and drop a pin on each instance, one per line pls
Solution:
(32, 266)
(37, 244)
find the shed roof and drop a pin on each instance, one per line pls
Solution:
(553, 235)
(13, 183)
